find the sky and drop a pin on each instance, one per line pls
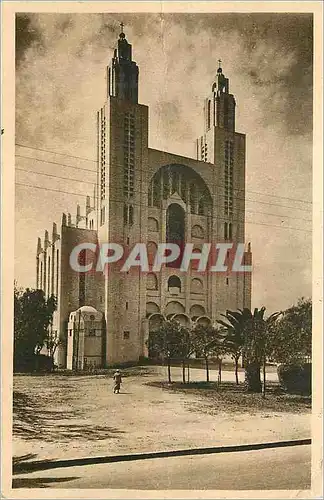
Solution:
(61, 64)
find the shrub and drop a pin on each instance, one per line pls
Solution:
(296, 378)
(34, 363)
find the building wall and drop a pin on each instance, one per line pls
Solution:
(123, 212)
(77, 289)
(124, 294)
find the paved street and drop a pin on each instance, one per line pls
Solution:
(278, 468)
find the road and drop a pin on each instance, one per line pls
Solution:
(277, 468)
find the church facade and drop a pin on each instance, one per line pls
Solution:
(148, 196)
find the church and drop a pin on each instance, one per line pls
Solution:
(148, 196)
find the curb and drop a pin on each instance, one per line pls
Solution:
(56, 464)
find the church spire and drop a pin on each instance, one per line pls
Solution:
(123, 71)
(220, 105)
(221, 83)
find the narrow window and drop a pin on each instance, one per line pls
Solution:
(82, 283)
(57, 272)
(150, 197)
(225, 231)
(201, 207)
(131, 215)
(41, 276)
(49, 276)
(230, 231)
(156, 194)
(193, 198)
(125, 214)
(102, 216)
(208, 114)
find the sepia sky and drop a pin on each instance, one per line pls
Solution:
(61, 61)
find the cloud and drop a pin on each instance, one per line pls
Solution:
(26, 36)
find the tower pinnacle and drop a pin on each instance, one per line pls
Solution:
(123, 71)
(122, 34)
(220, 105)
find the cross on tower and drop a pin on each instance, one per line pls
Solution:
(122, 26)
(219, 63)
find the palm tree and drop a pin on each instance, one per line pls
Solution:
(234, 339)
(247, 336)
(257, 346)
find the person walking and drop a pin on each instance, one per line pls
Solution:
(117, 381)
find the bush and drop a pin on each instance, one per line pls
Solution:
(296, 378)
(35, 363)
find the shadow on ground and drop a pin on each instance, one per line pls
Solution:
(24, 465)
(32, 466)
(41, 482)
(229, 397)
(35, 420)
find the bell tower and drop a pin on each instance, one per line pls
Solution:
(220, 105)
(219, 113)
(224, 147)
(122, 205)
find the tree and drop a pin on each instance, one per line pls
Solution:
(257, 346)
(33, 314)
(52, 341)
(186, 348)
(253, 328)
(291, 340)
(207, 340)
(166, 341)
(234, 339)
(269, 328)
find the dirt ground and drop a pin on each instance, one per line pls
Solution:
(57, 416)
